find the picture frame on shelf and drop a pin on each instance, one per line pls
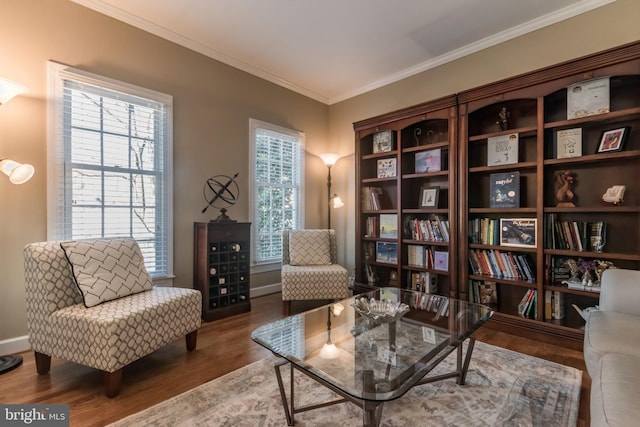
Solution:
(429, 197)
(429, 161)
(383, 141)
(568, 143)
(504, 190)
(613, 140)
(387, 252)
(519, 232)
(386, 168)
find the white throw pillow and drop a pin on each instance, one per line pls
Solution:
(309, 247)
(107, 269)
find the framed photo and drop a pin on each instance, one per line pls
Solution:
(387, 252)
(386, 168)
(388, 226)
(613, 140)
(504, 188)
(568, 143)
(519, 232)
(440, 260)
(429, 197)
(588, 98)
(429, 161)
(383, 141)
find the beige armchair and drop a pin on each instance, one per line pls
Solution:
(309, 267)
(92, 302)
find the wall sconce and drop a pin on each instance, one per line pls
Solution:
(330, 159)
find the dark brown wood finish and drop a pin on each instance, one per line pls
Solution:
(537, 102)
(223, 346)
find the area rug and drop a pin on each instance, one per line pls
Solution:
(503, 388)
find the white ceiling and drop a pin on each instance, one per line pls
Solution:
(331, 50)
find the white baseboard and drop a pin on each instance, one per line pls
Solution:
(20, 344)
(14, 345)
(265, 290)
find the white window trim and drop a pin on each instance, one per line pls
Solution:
(266, 266)
(56, 72)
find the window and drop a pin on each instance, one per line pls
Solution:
(109, 163)
(277, 160)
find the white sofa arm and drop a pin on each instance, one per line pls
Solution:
(620, 291)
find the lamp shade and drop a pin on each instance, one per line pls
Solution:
(9, 89)
(329, 159)
(337, 201)
(18, 173)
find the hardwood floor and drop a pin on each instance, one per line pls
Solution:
(223, 346)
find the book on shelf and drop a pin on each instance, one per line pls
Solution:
(371, 198)
(386, 168)
(554, 305)
(387, 252)
(588, 97)
(484, 231)
(527, 305)
(435, 229)
(518, 232)
(502, 150)
(504, 191)
(441, 260)
(388, 226)
(428, 161)
(371, 226)
(568, 143)
(597, 235)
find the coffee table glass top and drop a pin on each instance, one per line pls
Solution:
(374, 357)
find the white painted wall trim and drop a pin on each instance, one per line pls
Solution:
(14, 345)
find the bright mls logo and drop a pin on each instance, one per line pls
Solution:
(34, 415)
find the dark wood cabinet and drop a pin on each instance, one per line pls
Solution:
(222, 268)
(535, 109)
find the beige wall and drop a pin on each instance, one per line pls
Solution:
(600, 29)
(212, 105)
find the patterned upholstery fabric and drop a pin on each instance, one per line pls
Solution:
(309, 247)
(107, 269)
(313, 281)
(110, 335)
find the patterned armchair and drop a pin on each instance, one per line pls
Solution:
(93, 303)
(309, 267)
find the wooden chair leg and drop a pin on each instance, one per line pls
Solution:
(43, 363)
(286, 307)
(191, 339)
(112, 382)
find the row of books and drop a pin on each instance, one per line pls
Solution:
(485, 231)
(435, 229)
(553, 305)
(371, 198)
(574, 235)
(428, 302)
(528, 303)
(500, 264)
(483, 292)
(558, 269)
(420, 256)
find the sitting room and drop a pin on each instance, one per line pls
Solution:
(254, 176)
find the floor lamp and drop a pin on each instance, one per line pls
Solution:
(18, 173)
(330, 160)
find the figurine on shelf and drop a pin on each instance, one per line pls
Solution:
(614, 195)
(574, 270)
(503, 119)
(564, 189)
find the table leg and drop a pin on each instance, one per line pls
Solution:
(372, 413)
(283, 396)
(464, 368)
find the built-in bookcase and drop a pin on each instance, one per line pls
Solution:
(543, 131)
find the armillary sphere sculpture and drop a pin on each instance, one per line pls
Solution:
(220, 192)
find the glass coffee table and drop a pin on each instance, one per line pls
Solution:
(373, 347)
